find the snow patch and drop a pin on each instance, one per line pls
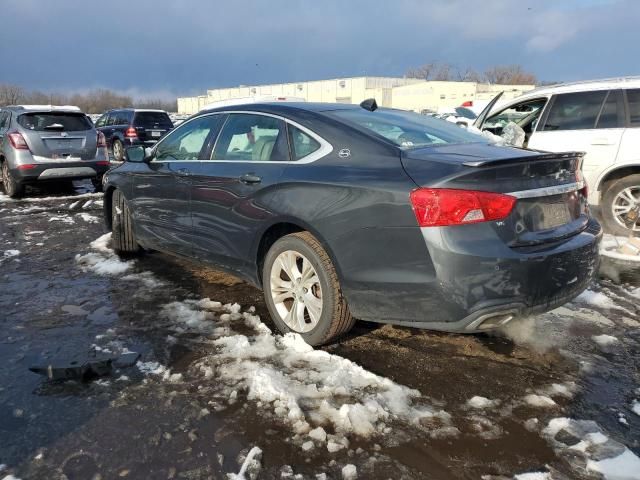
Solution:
(106, 262)
(349, 472)
(575, 438)
(604, 340)
(88, 218)
(11, 253)
(533, 476)
(539, 401)
(482, 402)
(635, 407)
(596, 299)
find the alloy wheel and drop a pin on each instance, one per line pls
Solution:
(6, 182)
(117, 150)
(296, 291)
(623, 203)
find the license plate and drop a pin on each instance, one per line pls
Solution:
(156, 134)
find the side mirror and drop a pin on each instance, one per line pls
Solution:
(137, 154)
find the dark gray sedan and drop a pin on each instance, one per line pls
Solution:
(344, 211)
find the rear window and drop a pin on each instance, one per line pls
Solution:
(406, 129)
(152, 119)
(55, 121)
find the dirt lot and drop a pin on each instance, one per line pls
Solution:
(553, 394)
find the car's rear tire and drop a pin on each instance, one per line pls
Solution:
(302, 291)
(118, 150)
(620, 196)
(11, 187)
(123, 239)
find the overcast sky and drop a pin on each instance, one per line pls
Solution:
(184, 47)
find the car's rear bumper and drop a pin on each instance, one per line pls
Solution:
(129, 142)
(472, 285)
(60, 171)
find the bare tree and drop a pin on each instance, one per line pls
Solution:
(509, 75)
(11, 94)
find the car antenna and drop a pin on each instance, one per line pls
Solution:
(369, 104)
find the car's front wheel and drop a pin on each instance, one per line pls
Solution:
(621, 206)
(123, 238)
(118, 150)
(11, 187)
(302, 290)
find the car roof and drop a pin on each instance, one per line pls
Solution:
(585, 86)
(274, 107)
(130, 109)
(44, 108)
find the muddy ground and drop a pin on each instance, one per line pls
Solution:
(194, 405)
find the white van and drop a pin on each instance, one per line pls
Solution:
(600, 118)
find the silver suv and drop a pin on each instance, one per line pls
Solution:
(44, 142)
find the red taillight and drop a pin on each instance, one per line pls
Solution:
(131, 132)
(26, 166)
(17, 141)
(468, 103)
(102, 141)
(436, 207)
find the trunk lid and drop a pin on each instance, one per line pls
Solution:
(551, 199)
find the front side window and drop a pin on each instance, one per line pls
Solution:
(111, 119)
(250, 137)
(55, 122)
(575, 111)
(187, 141)
(406, 129)
(633, 99)
(301, 143)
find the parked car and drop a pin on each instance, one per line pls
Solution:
(42, 143)
(132, 126)
(344, 211)
(600, 118)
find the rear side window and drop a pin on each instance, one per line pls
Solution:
(612, 113)
(406, 129)
(633, 99)
(123, 118)
(152, 120)
(55, 121)
(248, 137)
(4, 120)
(301, 143)
(575, 111)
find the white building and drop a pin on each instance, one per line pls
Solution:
(403, 93)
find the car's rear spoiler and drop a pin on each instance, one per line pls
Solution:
(529, 158)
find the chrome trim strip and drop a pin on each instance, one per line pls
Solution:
(325, 147)
(547, 191)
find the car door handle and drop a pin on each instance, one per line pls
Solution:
(250, 178)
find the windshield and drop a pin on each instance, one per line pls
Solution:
(55, 121)
(406, 129)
